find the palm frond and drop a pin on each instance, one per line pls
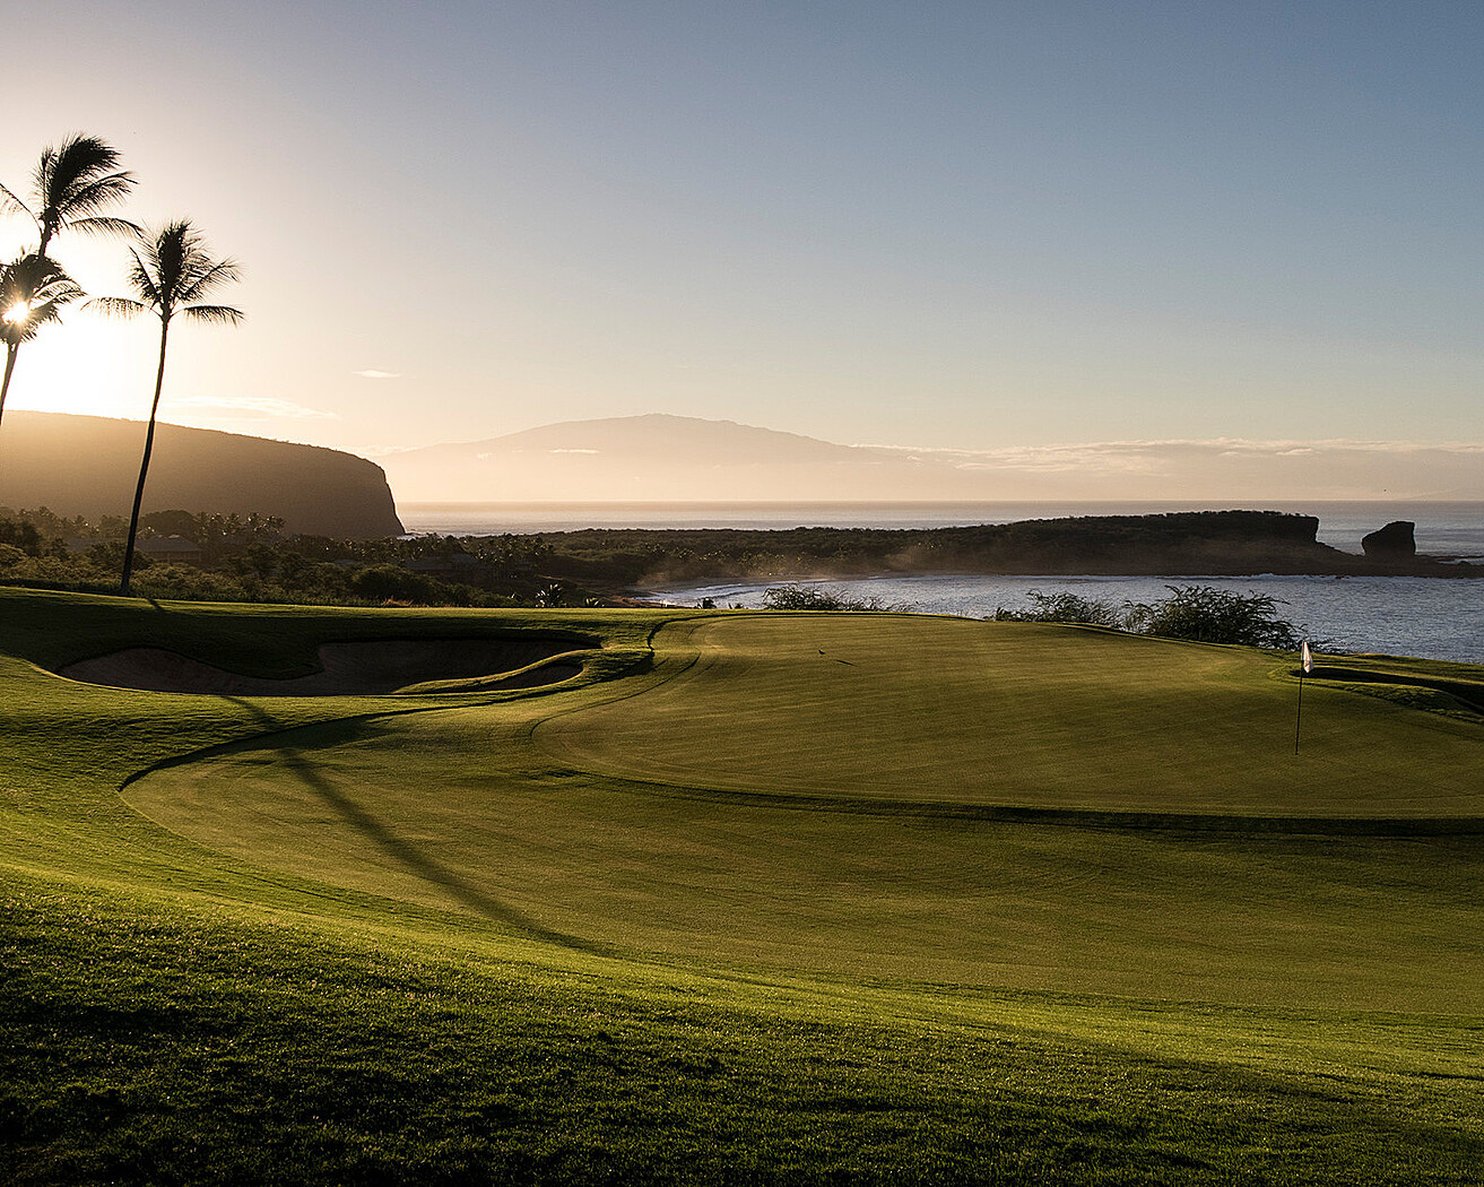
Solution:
(142, 278)
(95, 195)
(117, 306)
(9, 202)
(58, 290)
(34, 277)
(33, 290)
(170, 269)
(73, 162)
(104, 225)
(218, 274)
(76, 179)
(47, 311)
(217, 314)
(170, 251)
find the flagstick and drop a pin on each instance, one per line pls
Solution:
(1298, 721)
(1306, 665)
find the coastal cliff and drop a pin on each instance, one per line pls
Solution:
(1212, 543)
(87, 465)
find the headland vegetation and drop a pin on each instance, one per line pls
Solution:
(1210, 542)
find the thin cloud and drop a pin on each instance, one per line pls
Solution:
(373, 373)
(1224, 445)
(250, 407)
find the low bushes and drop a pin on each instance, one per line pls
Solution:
(1197, 612)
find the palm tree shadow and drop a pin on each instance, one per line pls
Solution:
(413, 860)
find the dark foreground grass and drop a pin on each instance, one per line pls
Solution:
(166, 1046)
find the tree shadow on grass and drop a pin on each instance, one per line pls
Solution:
(407, 855)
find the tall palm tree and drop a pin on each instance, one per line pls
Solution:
(33, 290)
(72, 184)
(172, 272)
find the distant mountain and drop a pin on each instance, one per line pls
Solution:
(665, 458)
(685, 459)
(658, 436)
(88, 465)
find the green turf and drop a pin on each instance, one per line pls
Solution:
(950, 901)
(909, 708)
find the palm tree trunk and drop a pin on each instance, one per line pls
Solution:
(10, 354)
(149, 444)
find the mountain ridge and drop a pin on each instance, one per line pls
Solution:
(660, 457)
(649, 432)
(88, 465)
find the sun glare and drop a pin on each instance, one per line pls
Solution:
(88, 366)
(18, 312)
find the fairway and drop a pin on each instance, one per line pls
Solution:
(1051, 834)
(816, 793)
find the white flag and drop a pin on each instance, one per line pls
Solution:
(1307, 657)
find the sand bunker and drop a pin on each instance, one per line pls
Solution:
(363, 666)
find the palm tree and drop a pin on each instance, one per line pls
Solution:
(33, 290)
(172, 271)
(71, 185)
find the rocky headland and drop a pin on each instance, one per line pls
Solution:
(87, 465)
(1210, 543)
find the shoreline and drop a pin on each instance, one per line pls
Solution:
(749, 581)
(1387, 614)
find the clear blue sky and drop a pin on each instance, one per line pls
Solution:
(972, 225)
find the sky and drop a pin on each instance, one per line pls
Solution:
(956, 225)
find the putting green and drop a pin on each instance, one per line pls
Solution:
(907, 708)
(809, 794)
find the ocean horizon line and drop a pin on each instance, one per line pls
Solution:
(1194, 504)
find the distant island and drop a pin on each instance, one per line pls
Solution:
(87, 465)
(1211, 543)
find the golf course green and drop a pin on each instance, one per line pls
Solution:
(727, 897)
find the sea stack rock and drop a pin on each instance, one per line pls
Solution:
(1393, 542)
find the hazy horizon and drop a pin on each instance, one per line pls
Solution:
(664, 459)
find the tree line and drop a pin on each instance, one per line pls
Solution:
(248, 558)
(76, 189)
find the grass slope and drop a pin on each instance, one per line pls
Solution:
(746, 914)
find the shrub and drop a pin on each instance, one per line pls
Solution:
(189, 583)
(1196, 612)
(813, 597)
(393, 583)
(1064, 606)
(20, 535)
(1209, 615)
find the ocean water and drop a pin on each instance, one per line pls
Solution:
(1424, 616)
